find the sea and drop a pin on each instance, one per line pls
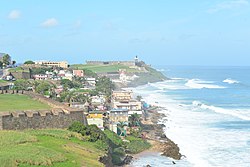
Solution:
(207, 114)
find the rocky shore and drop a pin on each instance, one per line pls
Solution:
(154, 133)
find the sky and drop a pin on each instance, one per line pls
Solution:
(160, 32)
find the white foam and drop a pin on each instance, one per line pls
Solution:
(231, 81)
(200, 84)
(160, 70)
(242, 114)
(203, 146)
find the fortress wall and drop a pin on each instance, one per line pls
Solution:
(56, 118)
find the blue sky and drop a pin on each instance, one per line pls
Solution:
(161, 32)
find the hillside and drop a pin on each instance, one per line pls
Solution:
(58, 148)
(145, 73)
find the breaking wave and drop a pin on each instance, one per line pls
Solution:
(200, 84)
(235, 113)
(231, 81)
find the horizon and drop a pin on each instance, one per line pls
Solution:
(207, 33)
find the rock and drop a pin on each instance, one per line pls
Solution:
(128, 159)
(163, 136)
(170, 149)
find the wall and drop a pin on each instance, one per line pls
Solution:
(56, 118)
(61, 116)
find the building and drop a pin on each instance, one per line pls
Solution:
(62, 64)
(132, 105)
(40, 77)
(95, 118)
(122, 95)
(68, 75)
(78, 73)
(91, 81)
(118, 115)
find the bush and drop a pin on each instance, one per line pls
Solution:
(114, 139)
(92, 131)
(116, 160)
(136, 145)
(119, 151)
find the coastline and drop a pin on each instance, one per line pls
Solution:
(161, 145)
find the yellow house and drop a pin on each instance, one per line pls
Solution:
(96, 118)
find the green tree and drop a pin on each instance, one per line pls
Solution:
(43, 87)
(120, 128)
(104, 85)
(138, 98)
(22, 84)
(134, 120)
(6, 59)
(29, 62)
(13, 62)
(1, 65)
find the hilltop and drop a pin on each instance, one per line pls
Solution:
(123, 73)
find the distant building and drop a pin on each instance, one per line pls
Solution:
(68, 75)
(78, 73)
(91, 81)
(118, 115)
(40, 77)
(122, 95)
(132, 105)
(95, 118)
(62, 64)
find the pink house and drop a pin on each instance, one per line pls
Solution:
(78, 73)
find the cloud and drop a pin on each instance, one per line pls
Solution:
(52, 22)
(14, 15)
(228, 5)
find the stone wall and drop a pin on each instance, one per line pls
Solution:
(127, 63)
(61, 116)
(56, 118)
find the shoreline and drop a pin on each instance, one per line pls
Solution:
(155, 135)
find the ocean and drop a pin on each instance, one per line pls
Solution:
(208, 115)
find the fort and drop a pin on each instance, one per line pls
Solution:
(127, 63)
(60, 116)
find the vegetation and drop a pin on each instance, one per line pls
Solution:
(29, 62)
(152, 76)
(136, 145)
(56, 148)
(105, 86)
(22, 102)
(43, 70)
(90, 132)
(103, 68)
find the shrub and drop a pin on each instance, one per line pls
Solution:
(116, 160)
(119, 151)
(92, 131)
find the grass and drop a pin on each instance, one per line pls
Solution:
(50, 147)
(3, 81)
(103, 68)
(136, 145)
(18, 69)
(16, 102)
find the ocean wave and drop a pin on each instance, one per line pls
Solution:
(231, 81)
(160, 70)
(200, 84)
(234, 113)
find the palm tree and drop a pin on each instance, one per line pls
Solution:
(134, 120)
(120, 128)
